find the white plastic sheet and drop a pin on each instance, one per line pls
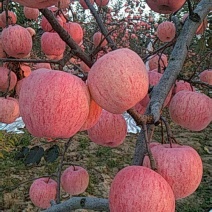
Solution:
(19, 124)
(15, 127)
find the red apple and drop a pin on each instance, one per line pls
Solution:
(137, 188)
(191, 110)
(110, 130)
(42, 191)
(180, 166)
(74, 180)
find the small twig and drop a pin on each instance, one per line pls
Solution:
(168, 131)
(60, 169)
(6, 12)
(29, 60)
(152, 161)
(193, 16)
(27, 181)
(204, 84)
(165, 46)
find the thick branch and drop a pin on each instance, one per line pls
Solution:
(29, 60)
(92, 203)
(140, 119)
(177, 59)
(75, 49)
(140, 150)
(175, 65)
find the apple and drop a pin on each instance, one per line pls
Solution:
(74, 180)
(110, 130)
(42, 191)
(180, 166)
(137, 188)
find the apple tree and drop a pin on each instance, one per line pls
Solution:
(72, 66)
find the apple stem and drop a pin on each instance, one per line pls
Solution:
(169, 132)
(48, 180)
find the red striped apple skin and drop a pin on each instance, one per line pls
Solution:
(165, 6)
(94, 114)
(42, 191)
(181, 167)
(75, 180)
(4, 79)
(140, 189)
(118, 80)
(16, 41)
(191, 110)
(182, 86)
(110, 130)
(9, 110)
(206, 76)
(166, 31)
(53, 104)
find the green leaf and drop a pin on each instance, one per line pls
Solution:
(34, 156)
(51, 154)
(22, 153)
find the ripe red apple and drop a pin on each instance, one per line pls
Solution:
(165, 6)
(180, 166)
(4, 79)
(110, 130)
(94, 114)
(206, 76)
(59, 105)
(118, 80)
(191, 110)
(9, 110)
(42, 191)
(137, 188)
(74, 180)
(182, 86)
(155, 59)
(166, 31)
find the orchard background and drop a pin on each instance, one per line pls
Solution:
(126, 24)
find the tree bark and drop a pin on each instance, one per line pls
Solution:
(74, 203)
(175, 64)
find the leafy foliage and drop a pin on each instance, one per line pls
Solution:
(33, 156)
(51, 154)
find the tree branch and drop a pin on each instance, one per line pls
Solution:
(174, 67)
(101, 25)
(177, 59)
(92, 203)
(60, 168)
(29, 60)
(75, 49)
(140, 150)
